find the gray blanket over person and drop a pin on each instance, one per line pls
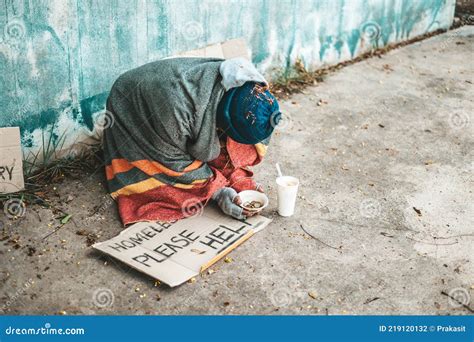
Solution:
(173, 122)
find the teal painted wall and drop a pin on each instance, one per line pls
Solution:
(59, 58)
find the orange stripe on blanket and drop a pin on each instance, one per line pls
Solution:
(139, 187)
(149, 184)
(117, 166)
(149, 167)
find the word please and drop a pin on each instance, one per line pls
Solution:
(216, 239)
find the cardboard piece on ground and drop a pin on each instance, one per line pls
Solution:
(229, 49)
(175, 252)
(11, 164)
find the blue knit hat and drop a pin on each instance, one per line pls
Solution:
(248, 114)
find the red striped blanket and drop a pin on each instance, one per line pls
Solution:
(152, 200)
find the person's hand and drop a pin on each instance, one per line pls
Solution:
(230, 202)
(259, 187)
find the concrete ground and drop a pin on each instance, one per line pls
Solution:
(384, 152)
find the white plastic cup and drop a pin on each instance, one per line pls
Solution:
(287, 191)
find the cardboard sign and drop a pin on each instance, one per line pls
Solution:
(229, 49)
(175, 252)
(11, 165)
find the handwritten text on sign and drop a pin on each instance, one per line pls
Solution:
(174, 252)
(11, 167)
(216, 239)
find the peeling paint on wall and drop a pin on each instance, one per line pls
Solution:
(59, 58)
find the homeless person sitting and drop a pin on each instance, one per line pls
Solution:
(185, 130)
